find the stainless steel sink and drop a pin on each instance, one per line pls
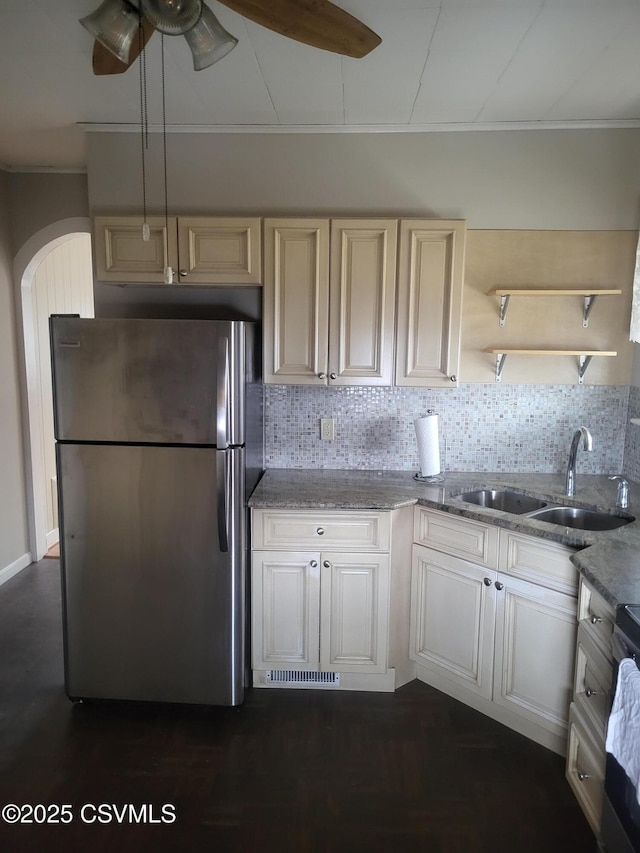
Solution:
(502, 499)
(581, 519)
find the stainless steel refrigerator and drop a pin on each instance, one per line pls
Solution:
(158, 429)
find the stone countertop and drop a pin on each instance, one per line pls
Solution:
(609, 560)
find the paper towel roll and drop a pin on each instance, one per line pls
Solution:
(428, 445)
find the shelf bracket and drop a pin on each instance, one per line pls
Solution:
(589, 302)
(585, 361)
(504, 304)
(501, 357)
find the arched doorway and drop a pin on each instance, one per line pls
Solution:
(55, 273)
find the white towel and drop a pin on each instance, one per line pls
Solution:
(623, 731)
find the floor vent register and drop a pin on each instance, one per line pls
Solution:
(293, 677)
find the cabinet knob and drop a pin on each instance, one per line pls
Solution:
(453, 378)
(595, 619)
(333, 376)
(313, 564)
(327, 564)
(183, 273)
(589, 692)
(499, 585)
(320, 531)
(583, 776)
(487, 581)
(322, 376)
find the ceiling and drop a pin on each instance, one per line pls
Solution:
(442, 64)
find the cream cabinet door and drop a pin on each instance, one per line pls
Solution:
(122, 255)
(362, 301)
(296, 301)
(452, 618)
(534, 652)
(218, 250)
(285, 599)
(354, 612)
(430, 281)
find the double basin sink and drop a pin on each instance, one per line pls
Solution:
(578, 518)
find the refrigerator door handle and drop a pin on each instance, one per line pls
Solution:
(221, 480)
(222, 394)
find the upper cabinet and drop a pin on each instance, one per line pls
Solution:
(296, 301)
(362, 301)
(430, 281)
(330, 295)
(219, 250)
(122, 255)
(346, 301)
(329, 301)
(201, 250)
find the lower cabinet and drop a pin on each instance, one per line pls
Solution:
(585, 768)
(327, 610)
(586, 755)
(534, 651)
(320, 611)
(485, 614)
(501, 644)
(453, 619)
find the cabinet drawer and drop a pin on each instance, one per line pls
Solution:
(592, 683)
(460, 537)
(349, 531)
(597, 616)
(585, 769)
(538, 561)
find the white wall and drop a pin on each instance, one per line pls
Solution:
(34, 208)
(14, 544)
(509, 179)
(37, 200)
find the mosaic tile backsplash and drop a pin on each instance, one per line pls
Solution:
(518, 428)
(632, 442)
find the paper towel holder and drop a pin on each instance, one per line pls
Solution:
(431, 478)
(435, 478)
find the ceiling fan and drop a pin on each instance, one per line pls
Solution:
(123, 27)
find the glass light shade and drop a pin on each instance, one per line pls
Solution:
(172, 17)
(114, 24)
(208, 40)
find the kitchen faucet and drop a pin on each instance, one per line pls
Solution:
(587, 443)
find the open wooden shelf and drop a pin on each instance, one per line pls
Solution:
(584, 355)
(589, 295)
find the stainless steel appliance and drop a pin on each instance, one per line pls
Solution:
(621, 810)
(159, 439)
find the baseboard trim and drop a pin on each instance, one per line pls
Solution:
(13, 568)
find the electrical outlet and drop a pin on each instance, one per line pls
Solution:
(327, 429)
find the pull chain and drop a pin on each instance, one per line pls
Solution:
(144, 128)
(168, 272)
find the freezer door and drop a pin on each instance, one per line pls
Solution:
(149, 381)
(153, 566)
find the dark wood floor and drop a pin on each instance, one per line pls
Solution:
(291, 770)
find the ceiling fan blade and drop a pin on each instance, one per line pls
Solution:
(318, 23)
(104, 62)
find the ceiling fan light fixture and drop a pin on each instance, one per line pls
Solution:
(114, 24)
(208, 40)
(172, 17)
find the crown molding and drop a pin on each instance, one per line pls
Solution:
(445, 127)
